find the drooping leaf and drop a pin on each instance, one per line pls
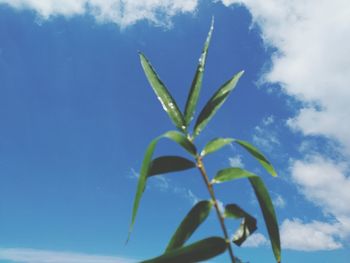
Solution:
(264, 200)
(215, 145)
(247, 226)
(198, 251)
(258, 155)
(269, 214)
(167, 101)
(189, 224)
(167, 164)
(230, 174)
(146, 166)
(197, 81)
(215, 103)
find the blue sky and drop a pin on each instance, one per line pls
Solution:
(77, 114)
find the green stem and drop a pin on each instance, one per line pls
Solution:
(201, 168)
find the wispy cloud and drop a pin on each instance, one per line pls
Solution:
(27, 255)
(121, 12)
(256, 240)
(236, 161)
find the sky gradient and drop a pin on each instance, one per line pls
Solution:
(77, 113)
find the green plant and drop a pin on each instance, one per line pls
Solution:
(176, 250)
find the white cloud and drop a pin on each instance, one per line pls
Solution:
(313, 236)
(265, 135)
(312, 64)
(279, 202)
(236, 161)
(121, 12)
(324, 183)
(256, 240)
(24, 255)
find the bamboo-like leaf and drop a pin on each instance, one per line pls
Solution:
(247, 226)
(198, 251)
(197, 81)
(189, 224)
(215, 145)
(182, 141)
(230, 174)
(167, 164)
(269, 215)
(215, 103)
(258, 155)
(146, 166)
(167, 101)
(265, 203)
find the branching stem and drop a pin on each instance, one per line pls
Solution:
(209, 186)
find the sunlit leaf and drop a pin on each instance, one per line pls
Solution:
(269, 215)
(247, 226)
(167, 101)
(215, 145)
(258, 155)
(190, 223)
(230, 174)
(197, 81)
(167, 164)
(146, 166)
(199, 251)
(264, 199)
(215, 103)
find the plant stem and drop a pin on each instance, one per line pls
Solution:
(201, 168)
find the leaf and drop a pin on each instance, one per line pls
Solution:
(264, 200)
(215, 145)
(182, 141)
(258, 155)
(146, 166)
(269, 215)
(215, 103)
(197, 81)
(167, 101)
(189, 224)
(230, 174)
(198, 251)
(248, 224)
(167, 164)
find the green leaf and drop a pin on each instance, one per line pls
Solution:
(197, 81)
(146, 166)
(199, 251)
(264, 199)
(269, 215)
(248, 224)
(230, 174)
(189, 224)
(167, 101)
(182, 141)
(215, 145)
(258, 155)
(215, 103)
(167, 164)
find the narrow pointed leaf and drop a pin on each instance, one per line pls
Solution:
(189, 224)
(269, 214)
(199, 251)
(197, 81)
(167, 101)
(230, 174)
(264, 200)
(215, 103)
(258, 155)
(215, 145)
(247, 226)
(182, 141)
(146, 166)
(167, 164)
